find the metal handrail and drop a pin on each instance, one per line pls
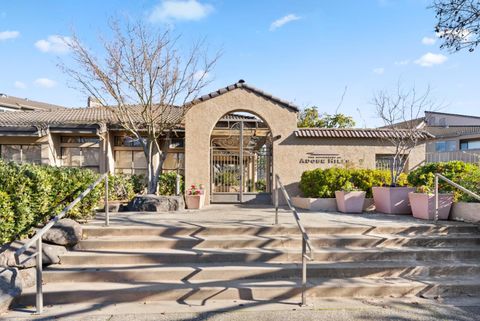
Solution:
(305, 239)
(460, 187)
(39, 234)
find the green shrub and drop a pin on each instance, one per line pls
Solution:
(322, 183)
(465, 174)
(139, 182)
(120, 187)
(168, 182)
(35, 193)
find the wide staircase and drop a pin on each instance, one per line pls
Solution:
(262, 263)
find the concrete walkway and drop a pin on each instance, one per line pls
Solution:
(248, 215)
(410, 309)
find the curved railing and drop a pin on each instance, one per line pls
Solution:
(37, 238)
(305, 239)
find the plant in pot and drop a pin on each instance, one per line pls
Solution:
(195, 198)
(400, 112)
(350, 199)
(423, 203)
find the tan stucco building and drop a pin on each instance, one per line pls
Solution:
(233, 141)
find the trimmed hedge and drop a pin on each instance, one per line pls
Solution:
(465, 174)
(168, 182)
(31, 194)
(322, 183)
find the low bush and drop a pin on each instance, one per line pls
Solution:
(168, 182)
(120, 187)
(322, 183)
(465, 174)
(32, 194)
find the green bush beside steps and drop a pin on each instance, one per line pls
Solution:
(30, 195)
(322, 183)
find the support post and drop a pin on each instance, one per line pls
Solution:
(304, 271)
(177, 184)
(242, 178)
(436, 198)
(276, 200)
(39, 277)
(107, 213)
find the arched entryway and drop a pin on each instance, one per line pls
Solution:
(241, 159)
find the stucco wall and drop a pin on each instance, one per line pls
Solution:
(201, 119)
(287, 151)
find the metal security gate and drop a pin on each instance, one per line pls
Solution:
(241, 166)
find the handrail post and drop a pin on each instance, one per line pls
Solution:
(304, 272)
(276, 200)
(39, 277)
(177, 185)
(107, 213)
(436, 198)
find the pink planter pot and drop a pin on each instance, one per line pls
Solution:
(392, 200)
(350, 202)
(195, 202)
(423, 205)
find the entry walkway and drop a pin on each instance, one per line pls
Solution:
(259, 215)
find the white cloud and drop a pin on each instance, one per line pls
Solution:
(8, 34)
(201, 73)
(45, 83)
(428, 41)
(430, 59)
(283, 21)
(379, 71)
(19, 85)
(169, 10)
(54, 43)
(402, 62)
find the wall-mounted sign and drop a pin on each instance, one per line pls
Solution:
(322, 158)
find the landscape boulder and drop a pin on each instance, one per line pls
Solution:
(65, 232)
(51, 255)
(10, 287)
(156, 203)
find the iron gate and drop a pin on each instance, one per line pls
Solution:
(241, 168)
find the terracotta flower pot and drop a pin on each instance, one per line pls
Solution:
(195, 201)
(392, 200)
(350, 202)
(423, 205)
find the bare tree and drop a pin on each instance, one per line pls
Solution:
(458, 23)
(145, 80)
(400, 111)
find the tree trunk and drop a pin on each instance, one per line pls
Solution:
(154, 166)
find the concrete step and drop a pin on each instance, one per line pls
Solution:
(283, 230)
(183, 291)
(63, 293)
(248, 241)
(257, 271)
(217, 255)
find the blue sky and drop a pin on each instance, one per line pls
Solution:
(305, 51)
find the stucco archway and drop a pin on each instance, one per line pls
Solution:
(202, 117)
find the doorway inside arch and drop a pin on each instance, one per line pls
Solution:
(241, 160)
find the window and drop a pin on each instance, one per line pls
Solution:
(80, 139)
(130, 162)
(21, 153)
(174, 162)
(74, 153)
(446, 146)
(470, 144)
(127, 141)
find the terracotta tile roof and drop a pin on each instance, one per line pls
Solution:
(242, 84)
(17, 103)
(71, 116)
(355, 133)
